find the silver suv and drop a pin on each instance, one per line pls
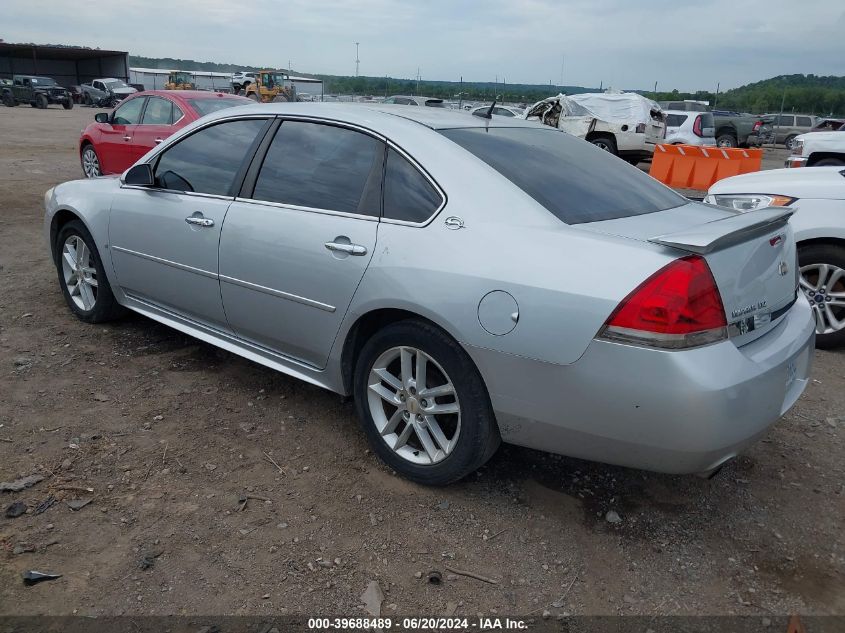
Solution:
(788, 126)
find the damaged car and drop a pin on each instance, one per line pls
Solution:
(625, 124)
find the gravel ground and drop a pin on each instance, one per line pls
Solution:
(171, 435)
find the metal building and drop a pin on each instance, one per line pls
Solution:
(68, 65)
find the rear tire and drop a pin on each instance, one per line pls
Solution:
(67, 105)
(439, 447)
(821, 264)
(86, 99)
(606, 143)
(82, 276)
(254, 96)
(726, 141)
(829, 162)
(9, 100)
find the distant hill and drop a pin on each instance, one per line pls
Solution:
(808, 94)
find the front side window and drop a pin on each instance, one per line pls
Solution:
(322, 167)
(804, 121)
(158, 112)
(408, 195)
(208, 160)
(129, 113)
(99, 86)
(573, 179)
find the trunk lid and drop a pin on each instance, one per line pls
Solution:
(752, 257)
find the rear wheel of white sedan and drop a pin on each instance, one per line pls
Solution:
(823, 283)
(423, 404)
(82, 276)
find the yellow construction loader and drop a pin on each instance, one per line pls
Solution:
(179, 80)
(271, 86)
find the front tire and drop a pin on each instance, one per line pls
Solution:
(82, 276)
(823, 283)
(67, 105)
(423, 405)
(41, 102)
(790, 142)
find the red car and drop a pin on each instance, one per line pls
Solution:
(116, 140)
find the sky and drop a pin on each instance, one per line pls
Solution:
(625, 44)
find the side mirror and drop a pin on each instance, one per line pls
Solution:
(139, 175)
(102, 117)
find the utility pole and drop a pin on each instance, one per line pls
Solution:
(418, 80)
(357, 61)
(716, 98)
(655, 88)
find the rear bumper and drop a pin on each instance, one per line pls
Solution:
(674, 412)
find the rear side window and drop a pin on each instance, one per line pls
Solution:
(707, 120)
(803, 121)
(129, 113)
(573, 179)
(408, 195)
(207, 161)
(158, 112)
(321, 167)
(675, 120)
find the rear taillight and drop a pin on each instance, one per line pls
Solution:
(696, 127)
(757, 126)
(678, 307)
(640, 128)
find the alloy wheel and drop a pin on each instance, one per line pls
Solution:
(824, 286)
(90, 163)
(414, 405)
(79, 273)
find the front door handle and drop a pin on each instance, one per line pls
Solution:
(159, 140)
(199, 220)
(127, 138)
(350, 249)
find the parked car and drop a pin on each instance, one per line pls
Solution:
(819, 149)
(415, 101)
(39, 92)
(449, 345)
(99, 89)
(241, 79)
(817, 199)
(499, 110)
(828, 125)
(733, 129)
(787, 127)
(623, 123)
(115, 140)
(690, 128)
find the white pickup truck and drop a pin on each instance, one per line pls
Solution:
(818, 149)
(622, 123)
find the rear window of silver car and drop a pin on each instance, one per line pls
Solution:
(573, 179)
(207, 106)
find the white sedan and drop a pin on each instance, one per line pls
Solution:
(818, 198)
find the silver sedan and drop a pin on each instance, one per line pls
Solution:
(467, 280)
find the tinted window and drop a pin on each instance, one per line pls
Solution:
(207, 106)
(158, 112)
(786, 120)
(408, 195)
(207, 161)
(675, 120)
(320, 166)
(129, 113)
(707, 120)
(177, 113)
(803, 121)
(573, 179)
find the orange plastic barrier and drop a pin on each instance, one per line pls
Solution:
(693, 167)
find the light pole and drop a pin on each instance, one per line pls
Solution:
(357, 61)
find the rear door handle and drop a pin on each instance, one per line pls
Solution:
(198, 220)
(127, 138)
(351, 249)
(159, 140)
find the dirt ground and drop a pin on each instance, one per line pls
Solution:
(171, 434)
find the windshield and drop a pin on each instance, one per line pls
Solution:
(573, 179)
(207, 106)
(116, 83)
(435, 103)
(44, 81)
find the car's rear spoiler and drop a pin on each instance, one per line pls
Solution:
(717, 234)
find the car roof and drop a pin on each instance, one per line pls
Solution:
(184, 95)
(370, 114)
